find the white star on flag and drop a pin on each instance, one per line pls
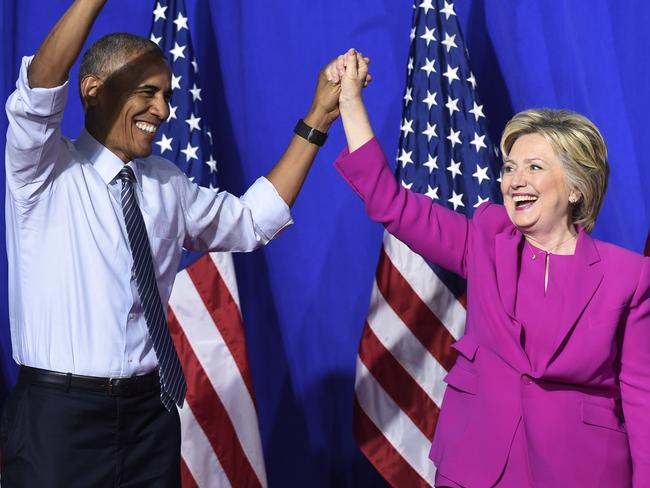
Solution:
(172, 112)
(430, 100)
(181, 22)
(155, 39)
(432, 193)
(448, 10)
(428, 35)
(454, 137)
(481, 174)
(165, 143)
(452, 105)
(407, 96)
(177, 52)
(159, 12)
(193, 122)
(449, 41)
(431, 163)
(477, 111)
(477, 142)
(451, 74)
(456, 200)
(190, 152)
(429, 66)
(426, 5)
(212, 164)
(407, 127)
(454, 168)
(430, 131)
(405, 157)
(480, 201)
(176, 82)
(196, 93)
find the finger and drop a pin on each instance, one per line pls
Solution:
(366, 59)
(351, 64)
(362, 66)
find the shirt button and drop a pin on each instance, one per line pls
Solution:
(131, 316)
(526, 380)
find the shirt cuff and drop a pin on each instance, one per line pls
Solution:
(271, 213)
(43, 102)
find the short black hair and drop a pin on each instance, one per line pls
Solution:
(110, 52)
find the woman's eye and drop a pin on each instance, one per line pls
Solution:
(507, 169)
(535, 167)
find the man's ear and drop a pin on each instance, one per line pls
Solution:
(89, 90)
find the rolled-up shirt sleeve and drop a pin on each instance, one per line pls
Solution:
(33, 136)
(223, 222)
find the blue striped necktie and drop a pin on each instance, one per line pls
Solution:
(172, 381)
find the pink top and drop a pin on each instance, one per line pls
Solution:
(536, 309)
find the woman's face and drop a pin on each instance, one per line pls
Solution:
(533, 183)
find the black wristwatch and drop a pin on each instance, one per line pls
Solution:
(312, 135)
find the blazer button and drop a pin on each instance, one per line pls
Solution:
(526, 380)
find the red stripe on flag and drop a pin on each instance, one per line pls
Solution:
(187, 480)
(414, 312)
(390, 464)
(211, 414)
(398, 383)
(224, 312)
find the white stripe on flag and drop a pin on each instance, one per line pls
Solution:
(394, 424)
(220, 367)
(405, 347)
(223, 262)
(198, 453)
(426, 285)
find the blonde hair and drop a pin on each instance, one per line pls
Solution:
(581, 148)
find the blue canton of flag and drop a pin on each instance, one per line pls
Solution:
(445, 151)
(184, 138)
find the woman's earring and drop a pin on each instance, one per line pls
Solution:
(573, 199)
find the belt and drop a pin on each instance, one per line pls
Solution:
(119, 387)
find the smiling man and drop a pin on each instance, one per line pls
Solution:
(95, 229)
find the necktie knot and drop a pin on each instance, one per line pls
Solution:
(126, 174)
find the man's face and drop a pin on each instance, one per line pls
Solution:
(131, 104)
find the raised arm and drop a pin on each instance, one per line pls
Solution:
(35, 108)
(58, 52)
(433, 231)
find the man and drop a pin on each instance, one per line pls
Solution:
(95, 229)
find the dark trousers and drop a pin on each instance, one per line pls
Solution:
(56, 438)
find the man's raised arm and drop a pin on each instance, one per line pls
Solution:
(58, 52)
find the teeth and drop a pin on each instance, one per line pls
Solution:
(146, 127)
(523, 198)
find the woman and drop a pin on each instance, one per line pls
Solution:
(551, 387)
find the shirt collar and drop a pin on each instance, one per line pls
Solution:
(105, 162)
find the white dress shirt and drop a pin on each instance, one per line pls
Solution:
(73, 303)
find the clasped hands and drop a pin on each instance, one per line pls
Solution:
(341, 82)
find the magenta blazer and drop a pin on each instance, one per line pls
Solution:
(587, 411)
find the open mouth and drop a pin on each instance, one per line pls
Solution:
(524, 202)
(146, 127)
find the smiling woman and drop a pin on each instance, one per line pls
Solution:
(538, 395)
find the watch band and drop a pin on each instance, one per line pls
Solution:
(309, 133)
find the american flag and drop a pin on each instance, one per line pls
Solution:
(221, 444)
(417, 310)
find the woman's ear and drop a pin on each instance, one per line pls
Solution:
(89, 90)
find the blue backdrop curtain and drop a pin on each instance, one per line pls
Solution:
(305, 296)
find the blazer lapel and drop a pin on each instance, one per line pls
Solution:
(507, 268)
(581, 286)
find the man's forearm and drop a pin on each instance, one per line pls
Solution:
(56, 55)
